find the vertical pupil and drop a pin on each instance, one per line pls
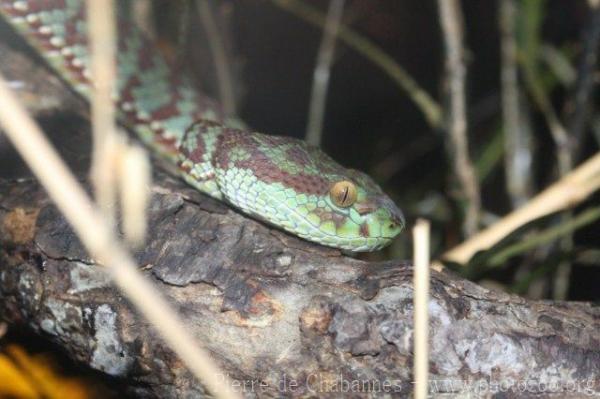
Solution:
(344, 195)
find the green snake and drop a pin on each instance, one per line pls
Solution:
(279, 180)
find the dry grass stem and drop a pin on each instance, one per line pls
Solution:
(517, 137)
(451, 21)
(421, 308)
(102, 35)
(135, 178)
(565, 193)
(322, 72)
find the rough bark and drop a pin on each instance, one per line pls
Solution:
(282, 317)
(274, 309)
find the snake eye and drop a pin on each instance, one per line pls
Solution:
(343, 193)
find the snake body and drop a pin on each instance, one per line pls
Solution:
(279, 180)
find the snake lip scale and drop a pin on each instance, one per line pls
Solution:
(279, 180)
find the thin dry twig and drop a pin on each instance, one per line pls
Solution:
(322, 72)
(98, 236)
(135, 178)
(517, 138)
(451, 21)
(565, 193)
(427, 105)
(117, 167)
(219, 55)
(421, 308)
(102, 34)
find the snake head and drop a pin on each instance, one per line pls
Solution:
(300, 189)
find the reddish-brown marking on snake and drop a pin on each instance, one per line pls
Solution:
(263, 166)
(325, 216)
(198, 129)
(364, 230)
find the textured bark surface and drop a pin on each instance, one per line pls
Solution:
(281, 316)
(275, 311)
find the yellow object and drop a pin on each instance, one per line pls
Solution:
(32, 376)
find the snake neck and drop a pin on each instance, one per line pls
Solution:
(156, 101)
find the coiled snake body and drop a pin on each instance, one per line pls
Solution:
(280, 180)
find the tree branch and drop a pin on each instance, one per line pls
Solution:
(451, 21)
(272, 308)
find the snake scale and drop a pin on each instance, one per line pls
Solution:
(279, 180)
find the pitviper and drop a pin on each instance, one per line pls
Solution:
(280, 180)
